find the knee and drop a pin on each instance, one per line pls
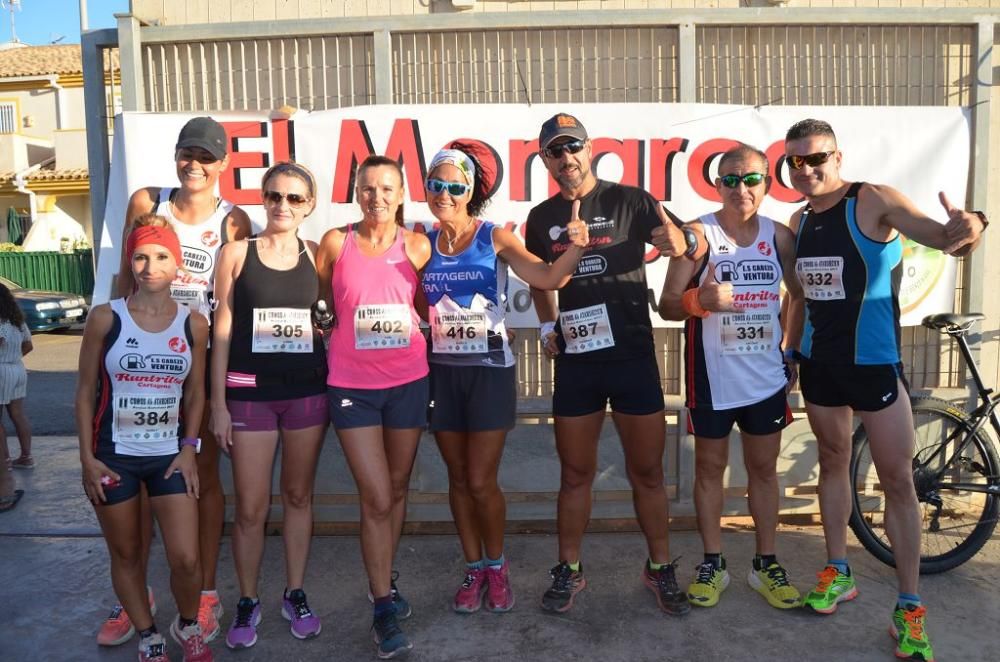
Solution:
(709, 469)
(577, 478)
(763, 471)
(127, 558)
(185, 564)
(297, 499)
(836, 458)
(482, 487)
(646, 477)
(376, 506)
(250, 516)
(897, 482)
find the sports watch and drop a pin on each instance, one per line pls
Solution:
(189, 441)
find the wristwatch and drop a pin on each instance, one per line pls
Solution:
(791, 355)
(189, 441)
(691, 239)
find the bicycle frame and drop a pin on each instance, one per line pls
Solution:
(977, 418)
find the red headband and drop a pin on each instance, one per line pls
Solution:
(149, 234)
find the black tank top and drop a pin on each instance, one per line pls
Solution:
(259, 291)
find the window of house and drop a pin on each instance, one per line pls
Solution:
(8, 117)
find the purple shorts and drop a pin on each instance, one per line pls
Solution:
(271, 415)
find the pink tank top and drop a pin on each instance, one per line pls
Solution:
(377, 341)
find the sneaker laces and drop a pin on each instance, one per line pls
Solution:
(386, 625)
(913, 618)
(244, 612)
(154, 649)
(666, 579)
(470, 578)
(116, 613)
(776, 575)
(706, 571)
(826, 577)
(299, 604)
(562, 577)
(193, 643)
(205, 611)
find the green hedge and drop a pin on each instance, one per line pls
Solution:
(50, 270)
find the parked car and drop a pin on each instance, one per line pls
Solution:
(48, 311)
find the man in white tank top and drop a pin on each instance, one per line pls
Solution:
(730, 301)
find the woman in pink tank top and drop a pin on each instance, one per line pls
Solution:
(369, 273)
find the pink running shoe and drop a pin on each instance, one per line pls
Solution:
(117, 627)
(470, 594)
(194, 646)
(209, 610)
(500, 596)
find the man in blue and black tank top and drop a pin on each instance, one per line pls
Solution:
(849, 262)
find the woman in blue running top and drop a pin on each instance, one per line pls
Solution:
(473, 391)
(139, 402)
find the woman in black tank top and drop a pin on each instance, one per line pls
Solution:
(269, 376)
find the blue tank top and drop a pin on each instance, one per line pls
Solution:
(851, 287)
(467, 297)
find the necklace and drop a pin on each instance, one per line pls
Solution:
(380, 243)
(451, 242)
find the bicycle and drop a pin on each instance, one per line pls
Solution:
(955, 471)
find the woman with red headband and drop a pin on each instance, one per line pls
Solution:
(204, 223)
(139, 402)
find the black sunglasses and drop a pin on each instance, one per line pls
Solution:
(294, 199)
(812, 160)
(750, 179)
(572, 147)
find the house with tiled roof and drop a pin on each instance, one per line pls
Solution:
(43, 149)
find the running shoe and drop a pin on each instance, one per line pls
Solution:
(194, 646)
(908, 630)
(243, 632)
(118, 628)
(153, 649)
(708, 585)
(23, 462)
(663, 584)
(833, 587)
(401, 604)
(469, 597)
(208, 619)
(772, 582)
(389, 639)
(566, 583)
(304, 623)
(500, 594)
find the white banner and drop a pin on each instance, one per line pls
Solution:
(671, 150)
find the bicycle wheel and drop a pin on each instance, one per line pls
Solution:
(956, 523)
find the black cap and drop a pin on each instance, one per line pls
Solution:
(206, 133)
(559, 125)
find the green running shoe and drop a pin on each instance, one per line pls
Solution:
(708, 585)
(908, 630)
(833, 587)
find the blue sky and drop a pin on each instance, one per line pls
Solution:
(40, 22)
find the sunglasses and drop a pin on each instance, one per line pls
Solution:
(750, 179)
(572, 147)
(455, 189)
(294, 199)
(795, 161)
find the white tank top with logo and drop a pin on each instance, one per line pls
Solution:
(145, 374)
(200, 245)
(742, 351)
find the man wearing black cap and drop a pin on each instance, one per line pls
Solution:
(602, 341)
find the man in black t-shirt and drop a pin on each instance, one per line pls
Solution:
(602, 342)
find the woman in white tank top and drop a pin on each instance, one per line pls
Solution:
(139, 402)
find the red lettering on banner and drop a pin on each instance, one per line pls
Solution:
(701, 160)
(404, 146)
(779, 189)
(232, 186)
(522, 155)
(661, 159)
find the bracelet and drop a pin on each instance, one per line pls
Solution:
(791, 355)
(546, 328)
(691, 304)
(691, 241)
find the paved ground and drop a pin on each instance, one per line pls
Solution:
(55, 591)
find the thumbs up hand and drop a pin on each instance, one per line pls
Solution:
(963, 227)
(715, 296)
(667, 238)
(576, 229)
